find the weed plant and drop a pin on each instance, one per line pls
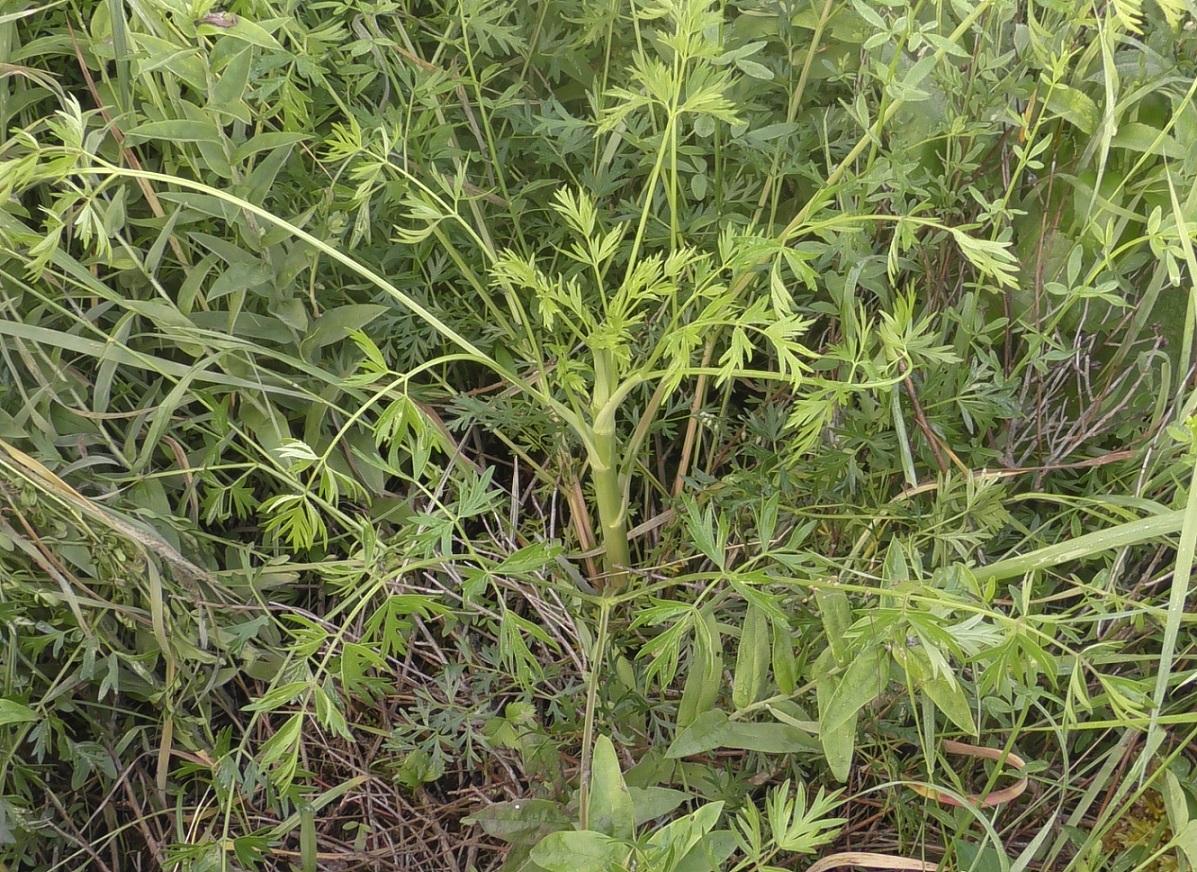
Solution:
(580, 435)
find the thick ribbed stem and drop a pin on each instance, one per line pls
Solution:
(604, 473)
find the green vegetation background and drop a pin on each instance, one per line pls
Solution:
(592, 434)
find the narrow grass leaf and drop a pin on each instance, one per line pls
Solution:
(1085, 546)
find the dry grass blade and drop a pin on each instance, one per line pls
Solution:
(989, 800)
(26, 468)
(868, 860)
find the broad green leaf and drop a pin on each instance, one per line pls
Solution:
(677, 838)
(239, 277)
(611, 810)
(1186, 840)
(752, 659)
(705, 671)
(1074, 107)
(175, 130)
(651, 803)
(895, 569)
(838, 746)
(871, 16)
(713, 729)
(161, 419)
(204, 205)
(789, 712)
(247, 31)
(1175, 802)
(267, 142)
(755, 70)
(840, 697)
(710, 854)
(836, 613)
(950, 699)
(248, 325)
(229, 89)
(706, 732)
(785, 665)
(530, 558)
(181, 61)
(584, 851)
(768, 738)
(12, 712)
(278, 697)
(337, 324)
(521, 821)
(258, 186)
(232, 252)
(979, 858)
(1147, 140)
(746, 50)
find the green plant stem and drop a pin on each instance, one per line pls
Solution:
(596, 660)
(608, 492)
(605, 474)
(793, 229)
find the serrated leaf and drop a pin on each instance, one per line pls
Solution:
(706, 531)
(989, 256)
